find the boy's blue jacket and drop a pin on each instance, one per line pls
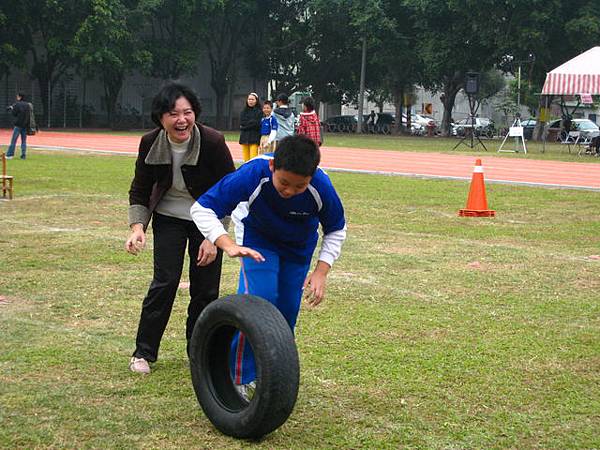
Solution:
(264, 219)
(268, 124)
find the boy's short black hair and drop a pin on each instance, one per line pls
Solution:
(309, 103)
(268, 102)
(21, 95)
(164, 100)
(297, 154)
(283, 98)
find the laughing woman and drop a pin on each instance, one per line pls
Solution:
(177, 162)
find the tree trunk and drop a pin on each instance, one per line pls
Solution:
(112, 88)
(449, 97)
(45, 85)
(398, 94)
(220, 88)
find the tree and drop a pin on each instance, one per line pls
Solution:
(222, 26)
(107, 45)
(11, 51)
(333, 51)
(553, 31)
(45, 30)
(168, 38)
(397, 59)
(456, 37)
(277, 52)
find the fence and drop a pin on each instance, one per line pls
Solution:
(75, 102)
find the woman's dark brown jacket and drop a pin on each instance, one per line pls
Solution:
(207, 161)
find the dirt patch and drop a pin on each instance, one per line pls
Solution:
(10, 305)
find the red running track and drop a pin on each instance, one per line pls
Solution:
(576, 175)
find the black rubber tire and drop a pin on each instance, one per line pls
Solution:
(276, 358)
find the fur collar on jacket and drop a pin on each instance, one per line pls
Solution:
(160, 152)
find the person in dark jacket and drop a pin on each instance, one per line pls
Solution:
(250, 118)
(21, 110)
(285, 118)
(177, 162)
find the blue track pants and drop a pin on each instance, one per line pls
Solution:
(280, 282)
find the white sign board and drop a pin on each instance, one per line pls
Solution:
(515, 131)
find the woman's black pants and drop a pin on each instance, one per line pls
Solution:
(171, 236)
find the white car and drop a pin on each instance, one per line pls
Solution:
(587, 128)
(424, 121)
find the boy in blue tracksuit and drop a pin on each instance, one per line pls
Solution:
(276, 203)
(268, 129)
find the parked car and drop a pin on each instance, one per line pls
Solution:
(383, 125)
(425, 121)
(587, 128)
(341, 124)
(528, 127)
(482, 127)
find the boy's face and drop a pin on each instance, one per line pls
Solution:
(286, 183)
(267, 109)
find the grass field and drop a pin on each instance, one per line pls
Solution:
(438, 332)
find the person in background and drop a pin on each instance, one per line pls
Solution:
(268, 129)
(310, 125)
(285, 118)
(250, 118)
(177, 163)
(21, 110)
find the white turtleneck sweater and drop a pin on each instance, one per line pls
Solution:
(177, 201)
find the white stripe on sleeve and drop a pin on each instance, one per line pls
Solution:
(331, 247)
(207, 222)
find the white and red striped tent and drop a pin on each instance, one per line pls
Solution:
(580, 75)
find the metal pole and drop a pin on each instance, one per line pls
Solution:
(519, 89)
(81, 104)
(361, 94)
(49, 102)
(64, 106)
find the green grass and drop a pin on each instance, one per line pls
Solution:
(535, 150)
(438, 332)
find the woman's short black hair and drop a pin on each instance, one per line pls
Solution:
(164, 100)
(309, 103)
(297, 154)
(268, 102)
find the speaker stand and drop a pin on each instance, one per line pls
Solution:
(473, 107)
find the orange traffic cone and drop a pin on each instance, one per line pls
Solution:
(476, 202)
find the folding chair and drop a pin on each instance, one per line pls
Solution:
(7, 180)
(572, 138)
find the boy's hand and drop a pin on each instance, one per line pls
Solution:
(239, 251)
(225, 243)
(314, 285)
(207, 253)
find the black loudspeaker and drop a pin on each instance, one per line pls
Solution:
(472, 83)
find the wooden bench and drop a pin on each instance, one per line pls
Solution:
(7, 180)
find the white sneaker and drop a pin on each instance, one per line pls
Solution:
(139, 365)
(246, 391)
(9, 157)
